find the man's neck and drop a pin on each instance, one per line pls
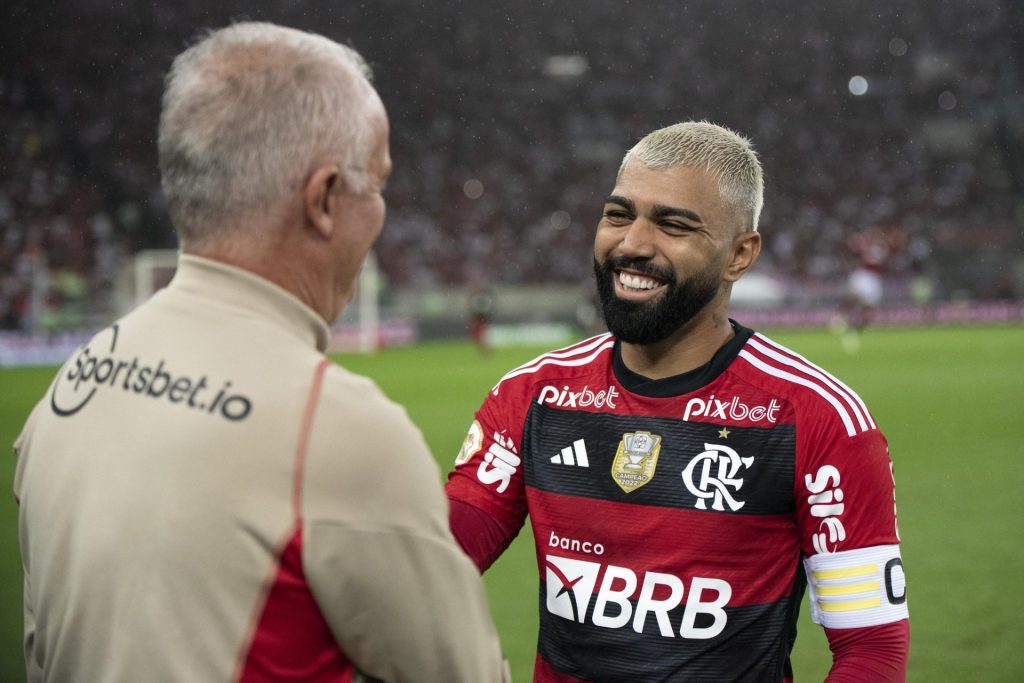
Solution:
(690, 347)
(295, 273)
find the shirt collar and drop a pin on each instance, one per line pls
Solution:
(243, 289)
(678, 385)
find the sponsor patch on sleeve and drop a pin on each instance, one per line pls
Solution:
(857, 588)
(471, 444)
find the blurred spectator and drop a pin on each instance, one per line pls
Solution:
(508, 119)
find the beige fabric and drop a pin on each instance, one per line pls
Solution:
(150, 519)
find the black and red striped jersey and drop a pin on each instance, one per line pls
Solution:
(678, 522)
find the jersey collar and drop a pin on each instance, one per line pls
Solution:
(686, 382)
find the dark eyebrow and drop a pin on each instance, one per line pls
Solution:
(662, 211)
(659, 211)
(624, 202)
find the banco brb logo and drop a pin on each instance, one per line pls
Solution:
(712, 476)
(623, 598)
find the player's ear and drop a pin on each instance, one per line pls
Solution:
(317, 195)
(746, 247)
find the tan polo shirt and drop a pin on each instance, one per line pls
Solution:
(204, 496)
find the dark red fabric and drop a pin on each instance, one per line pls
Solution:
(292, 642)
(479, 534)
(543, 673)
(874, 653)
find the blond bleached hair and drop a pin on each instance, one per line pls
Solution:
(727, 155)
(248, 111)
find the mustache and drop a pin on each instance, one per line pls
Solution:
(642, 266)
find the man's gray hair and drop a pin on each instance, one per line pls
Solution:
(248, 111)
(727, 155)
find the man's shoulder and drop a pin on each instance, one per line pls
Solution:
(353, 423)
(585, 357)
(341, 385)
(355, 403)
(809, 389)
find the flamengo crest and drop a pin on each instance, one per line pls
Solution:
(712, 476)
(635, 460)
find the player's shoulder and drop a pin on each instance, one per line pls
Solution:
(810, 389)
(576, 359)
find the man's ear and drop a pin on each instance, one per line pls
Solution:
(745, 249)
(320, 190)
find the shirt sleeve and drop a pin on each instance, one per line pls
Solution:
(487, 481)
(481, 536)
(22, 443)
(406, 607)
(846, 494)
(34, 671)
(846, 518)
(401, 598)
(875, 653)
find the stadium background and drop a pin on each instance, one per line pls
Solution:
(508, 122)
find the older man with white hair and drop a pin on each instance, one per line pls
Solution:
(204, 496)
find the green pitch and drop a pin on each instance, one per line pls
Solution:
(951, 402)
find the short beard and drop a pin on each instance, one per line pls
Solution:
(653, 321)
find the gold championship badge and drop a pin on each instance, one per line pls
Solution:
(635, 460)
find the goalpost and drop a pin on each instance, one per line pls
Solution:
(356, 329)
(358, 326)
(151, 270)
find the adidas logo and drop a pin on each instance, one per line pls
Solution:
(573, 455)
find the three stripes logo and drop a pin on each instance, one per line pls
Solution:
(573, 455)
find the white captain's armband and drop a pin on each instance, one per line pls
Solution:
(856, 588)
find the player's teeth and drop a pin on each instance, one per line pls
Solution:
(634, 282)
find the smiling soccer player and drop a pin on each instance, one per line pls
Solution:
(679, 523)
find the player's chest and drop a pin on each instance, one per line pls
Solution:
(697, 455)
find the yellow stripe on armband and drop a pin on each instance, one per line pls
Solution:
(849, 589)
(846, 572)
(849, 605)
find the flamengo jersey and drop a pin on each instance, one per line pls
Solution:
(677, 522)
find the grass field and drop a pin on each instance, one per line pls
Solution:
(951, 402)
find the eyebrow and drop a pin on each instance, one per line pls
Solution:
(659, 210)
(624, 202)
(662, 211)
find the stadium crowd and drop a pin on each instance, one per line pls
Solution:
(508, 121)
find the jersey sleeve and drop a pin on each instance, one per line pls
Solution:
(399, 595)
(874, 653)
(487, 481)
(846, 518)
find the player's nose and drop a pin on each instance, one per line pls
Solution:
(638, 240)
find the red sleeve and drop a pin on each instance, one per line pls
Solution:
(481, 536)
(845, 493)
(874, 653)
(856, 584)
(486, 492)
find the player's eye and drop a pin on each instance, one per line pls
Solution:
(616, 215)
